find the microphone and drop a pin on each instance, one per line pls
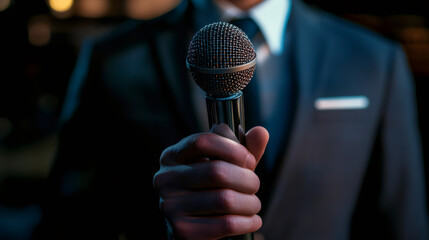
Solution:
(222, 60)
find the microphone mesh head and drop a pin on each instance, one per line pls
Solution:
(221, 45)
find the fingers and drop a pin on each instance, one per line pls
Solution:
(209, 200)
(212, 203)
(207, 185)
(203, 146)
(224, 131)
(215, 227)
(256, 142)
(206, 175)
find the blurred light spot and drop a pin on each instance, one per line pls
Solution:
(48, 103)
(4, 4)
(263, 52)
(39, 31)
(93, 8)
(122, 236)
(61, 5)
(32, 70)
(19, 222)
(5, 128)
(148, 9)
(415, 35)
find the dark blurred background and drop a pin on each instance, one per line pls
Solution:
(39, 43)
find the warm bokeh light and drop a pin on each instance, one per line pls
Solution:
(39, 31)
(415, 35)
(147, 9)
(61, 5)
(93, 8)
(4, 4)
(5, 127)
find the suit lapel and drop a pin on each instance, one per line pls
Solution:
(170, 51)
(309, 48)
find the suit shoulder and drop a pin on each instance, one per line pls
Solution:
(352, 34)
(133, 32)
(122, 36)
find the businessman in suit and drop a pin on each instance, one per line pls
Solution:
(343, 160)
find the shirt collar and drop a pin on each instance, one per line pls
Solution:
(270, 15)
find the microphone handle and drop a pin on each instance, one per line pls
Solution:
(229, 110)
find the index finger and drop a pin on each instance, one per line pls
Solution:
(204, 146)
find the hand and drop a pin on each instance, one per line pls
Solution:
(207, 185)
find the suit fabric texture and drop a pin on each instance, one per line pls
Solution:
(344, 174)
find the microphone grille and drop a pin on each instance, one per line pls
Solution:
(220, 46)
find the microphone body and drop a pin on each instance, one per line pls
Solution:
(222, 61)
(228, 110)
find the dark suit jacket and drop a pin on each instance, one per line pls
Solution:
(345, 173)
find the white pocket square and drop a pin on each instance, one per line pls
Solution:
(341, 103)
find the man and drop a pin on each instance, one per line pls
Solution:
(343, 160)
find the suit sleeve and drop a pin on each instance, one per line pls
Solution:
(403, 192)
(100, 185)
(68, 208)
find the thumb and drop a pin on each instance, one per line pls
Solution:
(256, 141)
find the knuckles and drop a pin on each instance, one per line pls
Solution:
(164, 180)
(158, 180)
(228, 201)
(173, 154)
(228, 225)
(225, 199)
(206, 145)
(195, 142)
(218, 172)
(200, 141)
(167, 154)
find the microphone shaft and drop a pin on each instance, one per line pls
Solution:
(230, 111)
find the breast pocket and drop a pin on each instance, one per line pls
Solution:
(341, 108)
